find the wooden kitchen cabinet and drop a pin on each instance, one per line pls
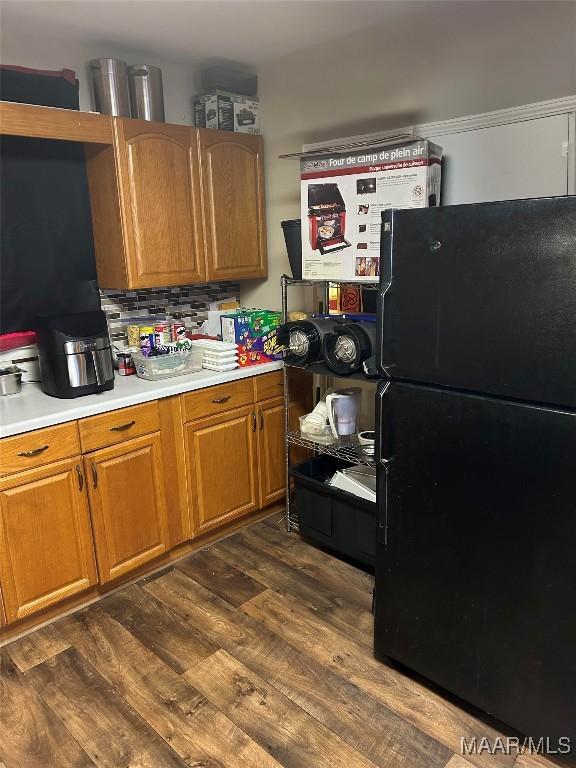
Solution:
(2, 611)
(46, 551)
(128, 505)
(272, 472)
(232, 177)
(146, 210)
(222, 462)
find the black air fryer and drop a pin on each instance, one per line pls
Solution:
(348, 347)
(303, 339)
(74, 354)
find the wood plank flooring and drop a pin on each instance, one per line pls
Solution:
(253, 653)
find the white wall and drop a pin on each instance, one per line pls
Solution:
(29, 47)
(442, 60)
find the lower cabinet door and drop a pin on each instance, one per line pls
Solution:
(271, 451)
(222, 467)
(128, 505)
(46, 551)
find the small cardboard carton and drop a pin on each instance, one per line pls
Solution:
(254, 331)
(227, 111)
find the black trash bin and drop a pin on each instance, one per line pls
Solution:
(338, 520)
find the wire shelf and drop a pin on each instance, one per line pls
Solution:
(320, 283)
(320, 369)
(351, 452)
(293, 520)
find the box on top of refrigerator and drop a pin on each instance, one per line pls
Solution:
(342, 199)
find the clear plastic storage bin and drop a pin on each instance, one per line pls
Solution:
(165, 366)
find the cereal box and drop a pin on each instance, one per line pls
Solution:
(254, 331)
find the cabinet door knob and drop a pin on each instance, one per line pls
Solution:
(221, 400)
(94, 474)
(261, 420)
(80, 477)
(33, 452)
(122, 427)
(253, 421)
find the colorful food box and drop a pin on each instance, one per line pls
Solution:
(254, 331)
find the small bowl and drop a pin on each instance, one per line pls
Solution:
(367, 437)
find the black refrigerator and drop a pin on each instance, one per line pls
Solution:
(476, 442)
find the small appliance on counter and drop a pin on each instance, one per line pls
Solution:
(75, 355)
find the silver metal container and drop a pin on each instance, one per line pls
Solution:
(146, 94)
(109, 79)
(10, 380)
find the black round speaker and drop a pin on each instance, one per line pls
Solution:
(347, 346)
(303, 339)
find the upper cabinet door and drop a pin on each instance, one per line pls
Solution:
(159, 192)
(233, 204)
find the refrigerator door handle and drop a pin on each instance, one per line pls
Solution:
(380, 454)
(385, 460)
(384, 297)
(383, 521)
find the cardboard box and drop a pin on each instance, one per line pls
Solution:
(342, 199)
(227, 112)
(254, 331)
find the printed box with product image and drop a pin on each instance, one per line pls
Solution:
(254, 331)
(342, 199)
(227, 112)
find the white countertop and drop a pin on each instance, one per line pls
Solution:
(32, 409)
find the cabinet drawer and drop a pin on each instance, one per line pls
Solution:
(42, 446)
(214, 400)
(268, 385)
(114, 427)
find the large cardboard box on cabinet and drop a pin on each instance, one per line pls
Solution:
(342, 199)
(227, 112)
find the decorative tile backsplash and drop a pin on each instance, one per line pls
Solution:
(187, 302)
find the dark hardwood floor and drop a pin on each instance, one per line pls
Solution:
(255, 652)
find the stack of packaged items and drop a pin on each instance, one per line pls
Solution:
(217, 355)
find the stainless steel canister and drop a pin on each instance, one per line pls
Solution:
(110, 86)
(10, 380)
(146, 93)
